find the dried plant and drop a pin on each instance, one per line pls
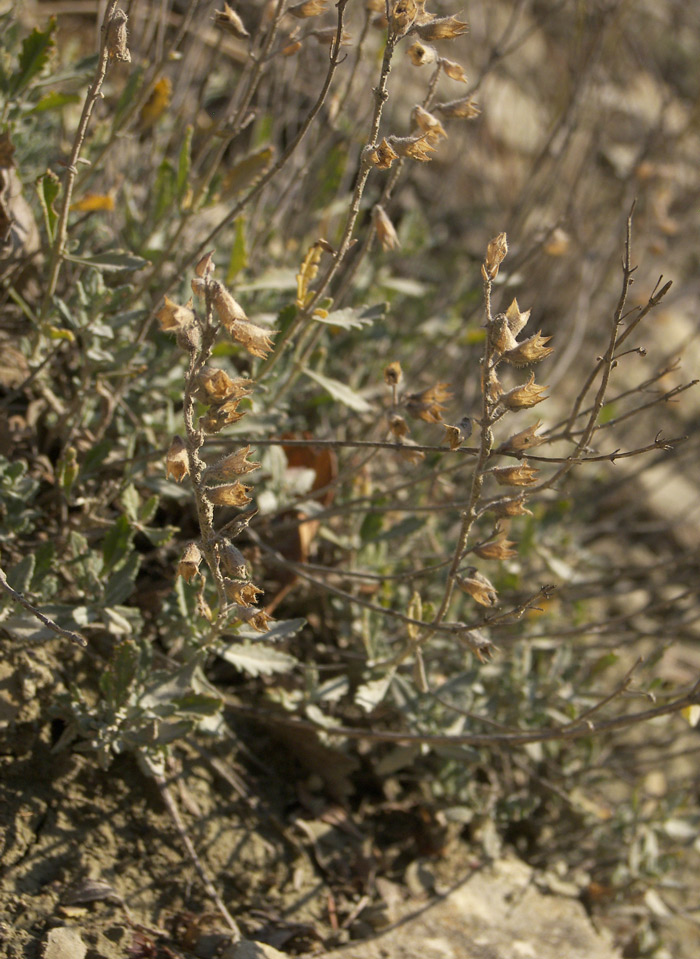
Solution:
(316, 464)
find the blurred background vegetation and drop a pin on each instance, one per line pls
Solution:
(215, 135)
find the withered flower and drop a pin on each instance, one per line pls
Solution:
(417, 147)
(386, 234)
(429, 404)
(453, 436)
(402, 15)
(172, 317)
(524, 396)
(383, 155)
(116, 37)
(217, 385)
(177, 462)
(522, 475)
(495, 255)
(455, 71)
(517, 320)
(235, 464)
(501, 548)
(507, 508)
(220, 416)
(257, 618)
(500, 334)
(393, 374)
(524, 440)
(398, 427)
(189, 562)
(421, 54)
(530, 351)
(406, 452)
(478, 587)
(464, 109)
(232, 560)
(256, 339)
(308, 8)
(428, 124)
(227, 308)
(204, 265)
(233, 494)
(228, 20)
(244, 594)
(442, 28)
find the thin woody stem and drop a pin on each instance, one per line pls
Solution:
(93, 94)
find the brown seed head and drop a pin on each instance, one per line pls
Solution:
(478, 587)
(522, 475)
(177, 462)
(383, 155)
(464, 109)
(232, 560)
(386, 234)
(116, 37)
(189, 562)
(429, 404)
(495, 255)
(507, 508)
(393, 374)
(235, 464)
(524, 396)
(229, 21)
(501, 548)
(309, 8)
(244, 594)
(402, 15)
(421, 54)
(529, 351)
(427, 124)
(455, 71)
(442, 28)
(256, 339)
(233, 494)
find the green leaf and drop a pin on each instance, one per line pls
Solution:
(198, 703)
(371, 526)
(116, 544)
(54, 101)
(339, 391)
(347, 319)
(131, 501)
(36, 49)
(117, 681)
(20, 575)
(370, 695)
(239, 254)
(280, 629)
(114, 260)
(48, 187)
(184, 163)
(121, 584)
(256, 659)
(148, 509)
(164, 190)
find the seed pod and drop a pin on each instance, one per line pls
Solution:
(522, 475)
(177, 462)
(116, 37)
(189, 562)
